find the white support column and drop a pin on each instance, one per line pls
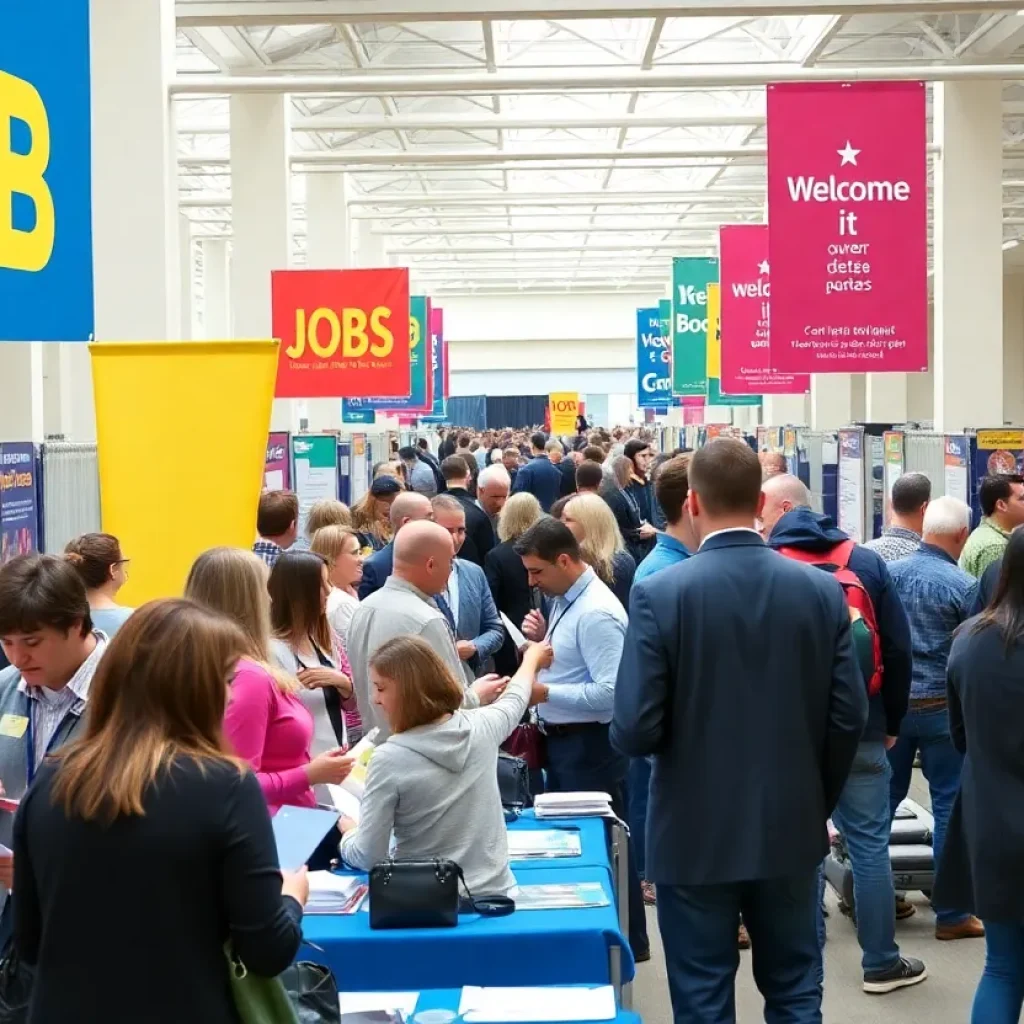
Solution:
(186, 303)
(134, 167)
(260, 218)
(831, 401)
(328, 247)
(21, 411)
(885, 398)
(1013, 348)
(786, 410)
(328, 235)
(216, 291)
(967, 120)
(77, 412)
(369, 248)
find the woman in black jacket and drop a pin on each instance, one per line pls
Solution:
(506, 576)
(145, 846)
(982, 866)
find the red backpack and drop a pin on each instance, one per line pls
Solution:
(837, 561)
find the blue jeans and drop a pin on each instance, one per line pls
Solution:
(698, 929)
(584, 761)
(862, 816)
(1001, 989)
(928, 731)
(639, 784)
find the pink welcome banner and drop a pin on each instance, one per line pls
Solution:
(743, 269)
(847, 215)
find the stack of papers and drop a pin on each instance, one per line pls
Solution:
(334, 894)
(535, 844)
(506, 1005)
(402, 1004)
(558, 896)
(573, 805)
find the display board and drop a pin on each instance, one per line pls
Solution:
(19, 505)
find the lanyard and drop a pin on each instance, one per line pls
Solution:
(30, 740)
(565, 611)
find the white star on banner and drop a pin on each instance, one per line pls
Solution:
(762, 267)
(849, 154)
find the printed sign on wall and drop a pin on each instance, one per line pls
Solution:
(653, 360)
(691, 276)
(46, 278)
(277, 472)
(343, 333)
(19, 508)
(746, 296)
(847, 215)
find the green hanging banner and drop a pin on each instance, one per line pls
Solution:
(691, 276)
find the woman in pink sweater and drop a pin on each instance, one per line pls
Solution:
(266, 723)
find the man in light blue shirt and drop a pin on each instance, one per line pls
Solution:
(586, 627)
(671, 487)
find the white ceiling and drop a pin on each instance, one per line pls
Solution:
(535, 185)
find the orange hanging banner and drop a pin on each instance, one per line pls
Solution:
(343, 333)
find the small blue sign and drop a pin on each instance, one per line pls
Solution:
(653, 360)
(46, 277)
(353, 410)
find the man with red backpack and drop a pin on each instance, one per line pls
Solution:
(882, 633)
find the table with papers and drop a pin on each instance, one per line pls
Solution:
(517, 1005)
(592, 834)
(534, 947)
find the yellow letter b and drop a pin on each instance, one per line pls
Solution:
(22, 174)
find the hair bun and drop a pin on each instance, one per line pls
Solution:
(74, 558)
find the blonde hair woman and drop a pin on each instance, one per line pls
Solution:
(506, 576)
(371, 514)
(266, 723)
(594, 527)
(340, 546)
(150, 804)
(327, 512)
(434, 784)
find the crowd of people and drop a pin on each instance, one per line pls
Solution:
(684, 652)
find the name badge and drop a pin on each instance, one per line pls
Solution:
(13, 726)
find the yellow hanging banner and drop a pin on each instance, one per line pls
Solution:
(564, 407)
(714, 332)
(181, 432)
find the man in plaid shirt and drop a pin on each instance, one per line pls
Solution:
(277, 523)
(910, 496)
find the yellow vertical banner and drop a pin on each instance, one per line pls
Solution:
(564, 407)
(181, 432)
(714, 332)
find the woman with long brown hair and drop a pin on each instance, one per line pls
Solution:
(304, 645)
(266, 722)
(98, 559)
(145, 846)
(371, 514)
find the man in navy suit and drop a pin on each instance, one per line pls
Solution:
(739, 677)
(408, 507)
(540, 476)
(466, 602)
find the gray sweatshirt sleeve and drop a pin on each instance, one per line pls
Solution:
(497, 720)
(368, 843)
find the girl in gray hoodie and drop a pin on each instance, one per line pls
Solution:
(434, 782)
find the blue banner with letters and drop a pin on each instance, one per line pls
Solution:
(46, 282)
(355, 410)
(19, 500)
(653, 360)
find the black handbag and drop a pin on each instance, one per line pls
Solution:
(313, 993)
(424, 894)
(15, 989)
(513, 782)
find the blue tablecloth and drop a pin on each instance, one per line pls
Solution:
(593, 841)
(529, 947)
(449, 998)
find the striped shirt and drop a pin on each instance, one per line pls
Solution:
(50, 707)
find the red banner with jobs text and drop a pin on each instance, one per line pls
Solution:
(745, 289)
(847, 216)
(343, 333)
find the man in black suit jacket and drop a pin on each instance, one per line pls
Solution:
(739, 677)
(479, 531)
(407, 507)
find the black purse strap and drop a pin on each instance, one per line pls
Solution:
(487, 906)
